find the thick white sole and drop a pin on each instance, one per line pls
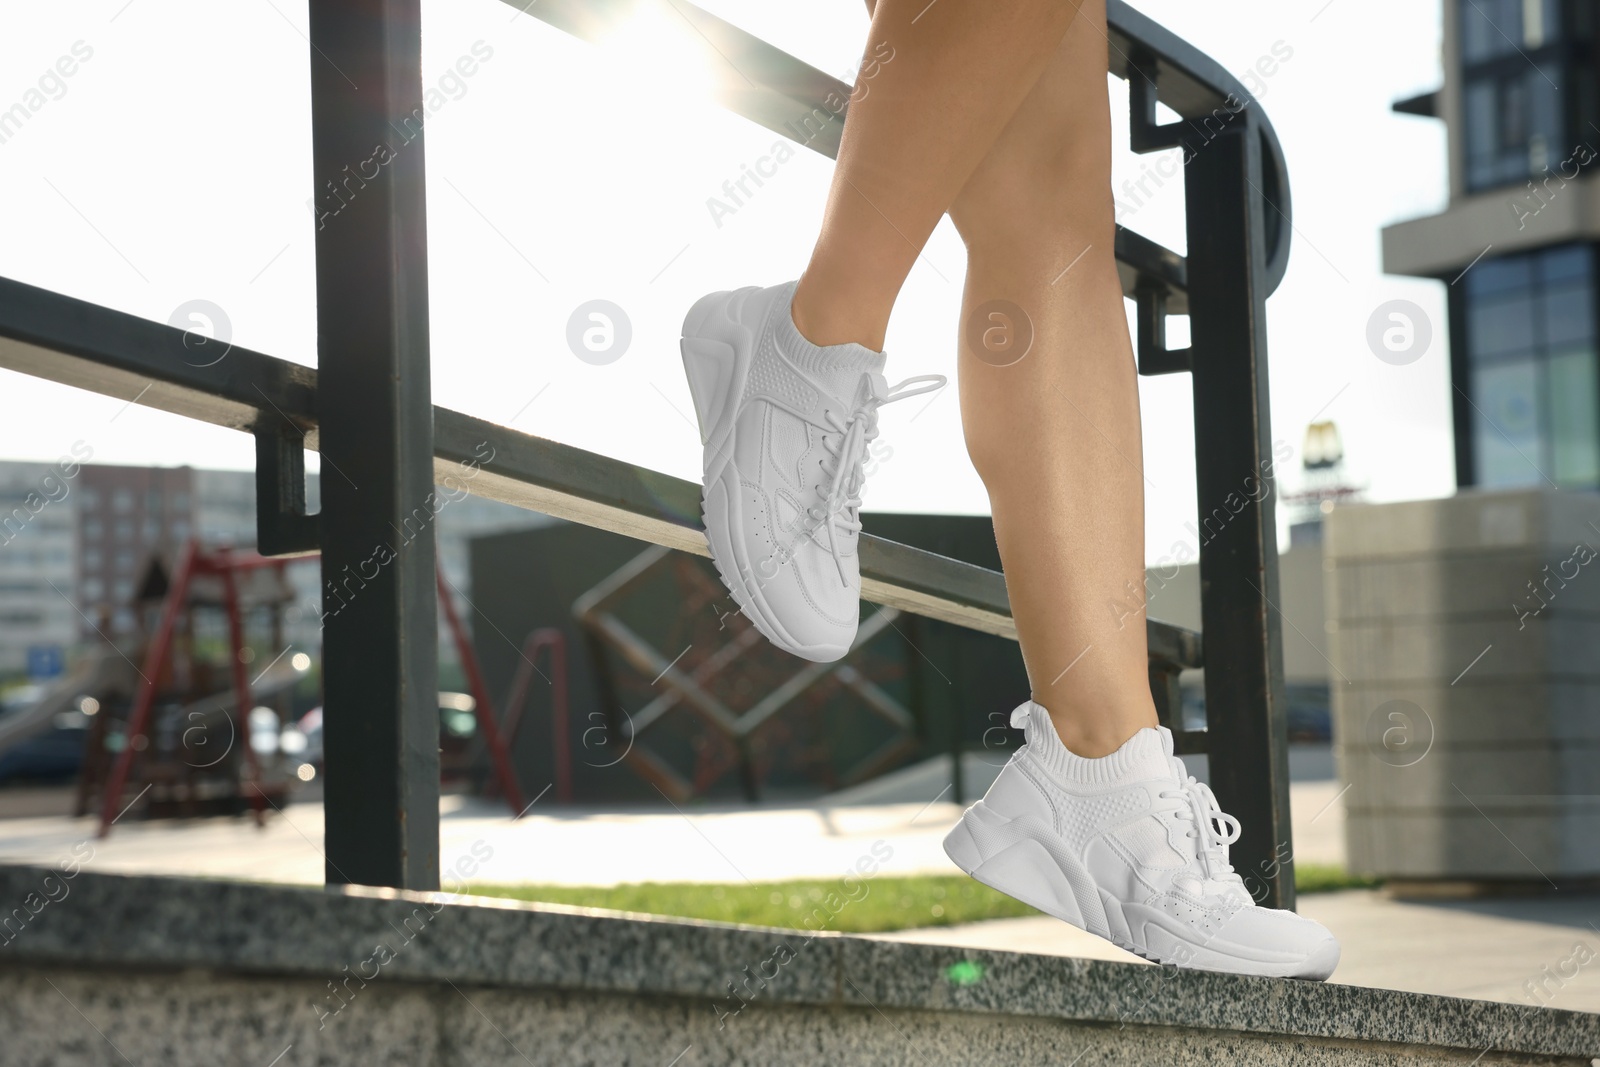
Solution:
(716, 347)
(1021, 858)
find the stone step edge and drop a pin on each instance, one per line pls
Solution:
(67, 915)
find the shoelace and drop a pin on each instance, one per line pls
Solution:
(1214, 828)
(839, 509)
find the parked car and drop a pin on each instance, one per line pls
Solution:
(55, 755)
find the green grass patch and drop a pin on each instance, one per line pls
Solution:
(1326, 877)
(888, 904)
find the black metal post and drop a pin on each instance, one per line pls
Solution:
(1247, 729)
(374, 408)
(958, 718)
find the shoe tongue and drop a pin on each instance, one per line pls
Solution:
(845, 382)
(850, 387)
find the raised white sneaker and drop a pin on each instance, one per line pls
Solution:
(786, 426)
(1132, 848)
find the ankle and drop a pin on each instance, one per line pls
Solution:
(826, 317)
(1093, 735)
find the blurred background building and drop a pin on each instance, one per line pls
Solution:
(1515, 244)
(38, 564)
(1462, 630)
(74, 549)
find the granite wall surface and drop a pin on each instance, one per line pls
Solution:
(107, 969)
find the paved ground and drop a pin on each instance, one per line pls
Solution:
(1485, 949)
(566, 846)
(577, 846)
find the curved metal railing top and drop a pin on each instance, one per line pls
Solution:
(1198, 88)
(774, 89)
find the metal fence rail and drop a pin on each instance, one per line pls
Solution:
(367, 410)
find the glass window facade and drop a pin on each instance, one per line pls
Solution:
(1530, 325)
(1528, 88)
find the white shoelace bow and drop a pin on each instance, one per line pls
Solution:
(1214, 828)
(838, 511)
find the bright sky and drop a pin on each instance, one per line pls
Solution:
(174, 165)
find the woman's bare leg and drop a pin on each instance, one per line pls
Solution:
(1055, 435)
(959, 70)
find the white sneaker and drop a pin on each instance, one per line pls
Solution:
(1133, 849)
(786, 426)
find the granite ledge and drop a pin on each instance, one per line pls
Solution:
(144, 923)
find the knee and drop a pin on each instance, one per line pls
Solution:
(1044, 208)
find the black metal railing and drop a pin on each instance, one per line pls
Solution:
(367, 409)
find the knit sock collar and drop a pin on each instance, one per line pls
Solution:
(1145, 755)
(816, 359)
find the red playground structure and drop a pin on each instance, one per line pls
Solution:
(225, 569)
